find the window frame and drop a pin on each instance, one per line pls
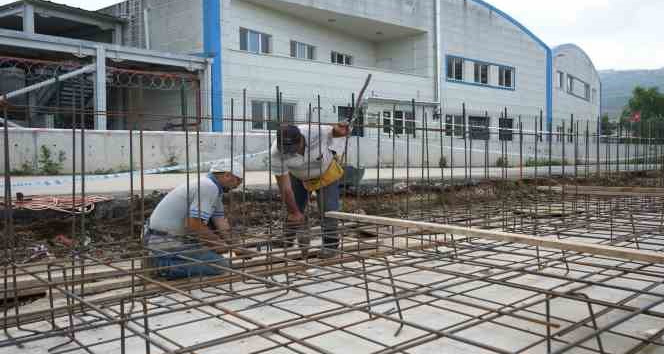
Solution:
(561, 80)
(502, 77)
(398, 126)
(263, 38)
(481, 73)
(387, 122)
(455, 125)
(479, 131)
(506, 131)
(452, 73)
(586, 95)
(269, 111)
(346, 60)
(410, 123)
(309, 50)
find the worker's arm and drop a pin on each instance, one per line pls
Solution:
(222, 225)
(288, 196)
(340, 130)
(202, 231)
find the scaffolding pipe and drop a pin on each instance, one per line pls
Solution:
(84, 70)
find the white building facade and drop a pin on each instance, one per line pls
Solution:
(577, 85)
(441, 53)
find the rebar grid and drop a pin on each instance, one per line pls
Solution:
(389, 289)
(495, 291)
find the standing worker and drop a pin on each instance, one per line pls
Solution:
(304, 161)
(184, 229)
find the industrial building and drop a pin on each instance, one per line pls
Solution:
(442, 54)
(480, 208)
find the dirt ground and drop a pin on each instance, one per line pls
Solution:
(108, 225)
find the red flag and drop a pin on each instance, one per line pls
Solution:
(636, 117)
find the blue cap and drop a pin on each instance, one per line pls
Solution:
(288, 139)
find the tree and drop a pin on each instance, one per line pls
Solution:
(648, 103)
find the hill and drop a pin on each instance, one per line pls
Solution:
(617, 86)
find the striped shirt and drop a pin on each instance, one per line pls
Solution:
(170, 215)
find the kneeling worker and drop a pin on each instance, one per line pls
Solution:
(304, 161)
(182, 226)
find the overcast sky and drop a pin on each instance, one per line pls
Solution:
(617, 34)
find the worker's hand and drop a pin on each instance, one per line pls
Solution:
(295, 218)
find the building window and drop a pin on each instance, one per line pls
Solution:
(398, 122)
(342, 59)
(455, 68)
(561, 80)
(255, 42)
(481, 73)
(479, 127)
(505, 77)
(454, 125)
(505, 132)
(387, 122)
(410, 123)
(579, 88)
(302, 51)
(264, 114)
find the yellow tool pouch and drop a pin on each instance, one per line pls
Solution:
(331, 175)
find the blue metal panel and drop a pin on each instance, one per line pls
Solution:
(549, 56)
(212, 46)
(549, 88)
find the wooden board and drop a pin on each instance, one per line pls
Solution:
(600, 250)
(605, 191)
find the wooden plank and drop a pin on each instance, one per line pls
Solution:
(605, 191)
(595, 249)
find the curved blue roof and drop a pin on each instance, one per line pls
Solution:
(513, 21)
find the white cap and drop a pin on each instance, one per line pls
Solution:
(236, 169)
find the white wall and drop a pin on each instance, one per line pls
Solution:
(284, 28)
(110, 149)
(176, 25)
(301, 80)
(410, 13)
(571, 60)
(473, 31)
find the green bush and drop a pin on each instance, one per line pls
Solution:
(47, 166)
(502, 162)
(25, 170)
